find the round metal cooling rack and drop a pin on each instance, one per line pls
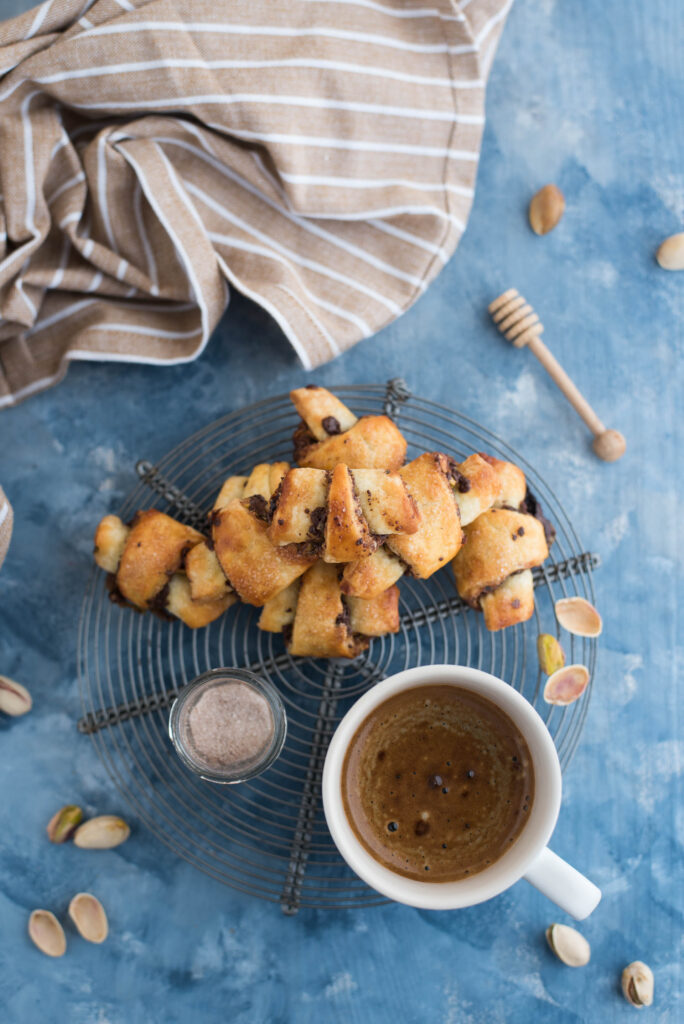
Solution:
(268, 837)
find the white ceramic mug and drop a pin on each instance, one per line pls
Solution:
(528, 858)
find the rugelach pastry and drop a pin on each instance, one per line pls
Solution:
(146, 562)
(438, 484)
(256, 568)
(318, 621)
(348, 512)
(330, 433)
(492, 569)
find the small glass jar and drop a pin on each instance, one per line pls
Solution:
(247, 763)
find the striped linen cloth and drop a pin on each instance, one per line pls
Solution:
(318, 155)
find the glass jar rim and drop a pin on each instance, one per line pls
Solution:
(244, 770)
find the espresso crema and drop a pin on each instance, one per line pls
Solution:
(437, 783)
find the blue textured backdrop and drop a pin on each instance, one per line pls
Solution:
(590, 96)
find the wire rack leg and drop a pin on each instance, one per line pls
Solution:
(311, 792)
(157, 482)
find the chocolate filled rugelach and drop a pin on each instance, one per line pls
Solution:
(348, 512)
(256, 568)
(432, 480)
(146, 562)
(492, 569)
(318, 621)
(330, 433)
(438, 484)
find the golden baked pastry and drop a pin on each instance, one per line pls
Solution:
(345, 511)
(319, 622)
(368, 577)
(438, 538)
(146, 562)
(437, 483)
(491, 569)
(330, 433)
(511, 482)
(256, 569)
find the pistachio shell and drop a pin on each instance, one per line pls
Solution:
(566, 685)
(14, 698)
(61, 825)
(637, 984)
(578, 616)
(551, 655)
(670, 254)
(546, 209)
(88, 914)
(47, 933)
(568, 945)
(102, 833)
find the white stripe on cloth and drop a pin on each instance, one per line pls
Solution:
(419, 186)
(214, 28)
(189, 63)
(40, 17)
(317, 102)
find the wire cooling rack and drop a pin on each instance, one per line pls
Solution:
(268, 837)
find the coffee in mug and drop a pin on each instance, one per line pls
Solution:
(437, 783)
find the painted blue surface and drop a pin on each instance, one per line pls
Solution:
(590, 96)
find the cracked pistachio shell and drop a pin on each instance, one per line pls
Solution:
(88, 914)
(578, 616)
(637, 984)
(102, 833)
(14, 698)
(566, 685)
(568, 945)
(62, 825)
(551, 655)
(46, 933)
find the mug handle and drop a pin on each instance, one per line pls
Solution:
(563, 884)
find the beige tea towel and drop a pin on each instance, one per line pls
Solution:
(318, 155)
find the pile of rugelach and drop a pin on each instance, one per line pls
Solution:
(320, 547)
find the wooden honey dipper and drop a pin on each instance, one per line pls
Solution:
(519, 323)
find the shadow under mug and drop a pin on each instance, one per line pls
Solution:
(528, 858)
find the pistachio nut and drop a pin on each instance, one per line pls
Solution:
(14, 698)
(578, 616)
(101, 833)
(566, 685)
(637, 984)
(568, 945)
(546, 209)
(88, 914)
(47, 933)
(550, 652)
(62, 825)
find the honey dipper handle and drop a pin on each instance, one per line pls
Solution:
(571, 392)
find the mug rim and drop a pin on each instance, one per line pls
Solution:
(508, 868)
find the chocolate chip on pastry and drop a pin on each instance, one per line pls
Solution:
(492, 568)
(147, 562)
(317, 621)
(347, 511)
(439, 485)
(256, 568)
(330, 433)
